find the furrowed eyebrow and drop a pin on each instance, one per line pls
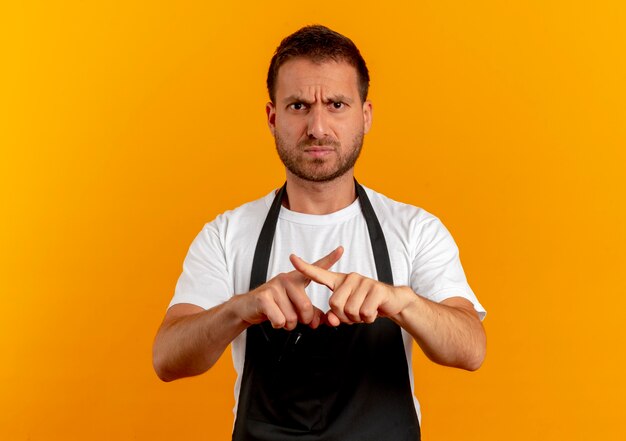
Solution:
(339, 99)
(330, 99)
(296, 99)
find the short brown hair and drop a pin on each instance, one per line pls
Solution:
(318, 44)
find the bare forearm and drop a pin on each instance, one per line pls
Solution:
(189, 345)
(448, 335)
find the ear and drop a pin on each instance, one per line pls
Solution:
(367, 116)
(270, 111)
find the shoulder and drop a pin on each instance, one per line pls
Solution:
(242, 218)
(412, 225)
(390, 210)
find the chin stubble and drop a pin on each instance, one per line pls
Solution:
(301, 169)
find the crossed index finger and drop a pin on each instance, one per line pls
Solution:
(319, 275)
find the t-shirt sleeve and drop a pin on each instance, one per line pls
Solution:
(205, 280)
(437, 273)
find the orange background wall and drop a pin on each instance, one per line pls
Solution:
(125, 126)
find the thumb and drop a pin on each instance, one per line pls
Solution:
(318, 318)
(332, 319)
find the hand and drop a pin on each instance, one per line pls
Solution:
(283, 300)
(355, 298)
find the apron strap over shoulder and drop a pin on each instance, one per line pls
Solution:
(261, 261)
(379, 245)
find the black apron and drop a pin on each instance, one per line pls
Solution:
(341, 384)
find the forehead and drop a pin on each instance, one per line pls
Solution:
(303, 76)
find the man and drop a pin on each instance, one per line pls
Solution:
(321, 354)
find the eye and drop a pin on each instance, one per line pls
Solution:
(338, 105)
(297, 106)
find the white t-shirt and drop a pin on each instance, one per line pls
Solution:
(422, 252)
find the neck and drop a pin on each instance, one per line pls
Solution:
(320, 197)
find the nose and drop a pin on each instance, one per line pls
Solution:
(317, 123)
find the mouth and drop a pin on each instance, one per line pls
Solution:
(318, 151)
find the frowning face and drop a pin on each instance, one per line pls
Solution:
(318, 120)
